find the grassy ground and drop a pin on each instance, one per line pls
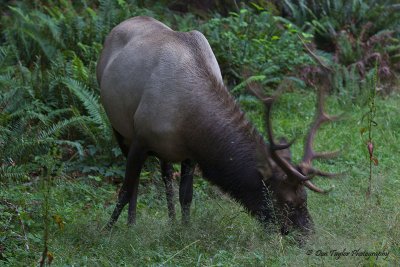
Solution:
(221, 233)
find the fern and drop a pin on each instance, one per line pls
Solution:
(12, 173)
(20, 142)
(27, 30)
(48, 55)
(80, 71)
(49, 24)
(58, 127)
(92, 106)
(53, 114)
(241, 86)
(106, 18)
(86, 129)
(357, 32)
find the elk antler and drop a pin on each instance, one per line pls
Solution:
(309, 154)
(303, 172)
(286, 166)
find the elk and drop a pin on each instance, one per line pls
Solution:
(164, 95)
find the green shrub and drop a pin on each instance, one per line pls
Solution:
(247, 44)
(49, 100)
(356, 32)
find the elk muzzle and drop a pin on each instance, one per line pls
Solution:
(297, 219)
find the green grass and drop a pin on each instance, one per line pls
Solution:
(221, 233)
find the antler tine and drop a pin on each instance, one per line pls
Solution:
(288, 168)
(259, 94)
(309, 154)
(320, 118)
(285, 145)
(314, 188)
(314, 172)
(326, 155)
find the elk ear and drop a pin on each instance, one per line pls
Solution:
(265, 172)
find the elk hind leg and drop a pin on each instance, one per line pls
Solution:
(166, 173)
(186, 189)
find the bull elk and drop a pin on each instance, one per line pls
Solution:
(164, 95)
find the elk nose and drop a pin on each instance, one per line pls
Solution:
(284, 230)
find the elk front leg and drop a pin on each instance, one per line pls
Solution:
(186, 189)
(129, 190)
(166, 173)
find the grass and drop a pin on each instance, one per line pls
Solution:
(221, 233)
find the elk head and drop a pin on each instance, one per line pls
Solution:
(289, 181)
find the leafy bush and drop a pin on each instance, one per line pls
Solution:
(30, 125)
(356, 32)
(247, 43)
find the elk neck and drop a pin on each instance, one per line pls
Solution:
(227, 148)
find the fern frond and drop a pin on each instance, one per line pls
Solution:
(57, 128)
(12, 173)
(80, 71)
(91, 104)
(58, 112)
(85, 128)
(28, 29)
(50, 23)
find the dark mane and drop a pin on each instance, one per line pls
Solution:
(230, 160)
(238, 118)
(228, 156)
